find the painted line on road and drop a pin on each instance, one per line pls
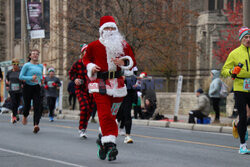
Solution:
(161, 138)
(186, 141)
(42, 158)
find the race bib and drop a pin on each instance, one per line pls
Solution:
(15, 86)
(50, 84)
(246, 85)
(115, 107)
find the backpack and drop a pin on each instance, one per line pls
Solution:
(224, 90)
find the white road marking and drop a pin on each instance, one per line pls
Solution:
(39, 157)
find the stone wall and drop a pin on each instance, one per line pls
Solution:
(166, 103)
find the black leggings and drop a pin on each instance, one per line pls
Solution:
(15, 102)
(216, 107)
(242, 99)
(51, 102)
(124, 114)
(32, 92)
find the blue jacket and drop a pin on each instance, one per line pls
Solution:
(215, 85)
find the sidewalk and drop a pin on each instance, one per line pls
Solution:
(225, 125)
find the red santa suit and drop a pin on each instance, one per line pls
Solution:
(107, 85)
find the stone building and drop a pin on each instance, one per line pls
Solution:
(13, 37)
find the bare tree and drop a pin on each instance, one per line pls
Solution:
(157, 30)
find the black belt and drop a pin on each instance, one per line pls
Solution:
(109, 75)
(103, 76)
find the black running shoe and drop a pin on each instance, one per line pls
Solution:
(101, 153)
(111, 151)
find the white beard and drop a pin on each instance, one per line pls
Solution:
(114, 44)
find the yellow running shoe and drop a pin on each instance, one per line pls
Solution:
(235, 130)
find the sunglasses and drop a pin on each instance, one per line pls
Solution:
(15, 63)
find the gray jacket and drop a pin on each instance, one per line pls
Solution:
(215, 85)
(203, 104)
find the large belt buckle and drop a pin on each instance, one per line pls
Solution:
(113, 76)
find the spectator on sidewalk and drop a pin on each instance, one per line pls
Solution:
(214, 93)
(148, 95)
(202, 109)
(72, 94)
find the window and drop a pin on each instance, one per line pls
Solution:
(211, 5)
(220, 4)
(17, 9)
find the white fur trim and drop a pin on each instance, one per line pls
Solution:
(108, 24)
(131, 62)
(128, 72)
(107, 139)
(90, 66)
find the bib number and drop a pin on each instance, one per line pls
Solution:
(50, 84)
(246, 85)
(115, 107)
(15, 87)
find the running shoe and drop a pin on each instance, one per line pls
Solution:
(51, 119)
(235, 130)
(13, 120)
(128, 140)
(243, 149)
(111, 151)
(101, 153)
(36, 129)
(246, 136)
(83, 134)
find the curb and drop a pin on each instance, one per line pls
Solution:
(166, 124)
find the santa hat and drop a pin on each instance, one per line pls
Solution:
(83, 47)
(51, 70)
(143, 75)
(107, 21)
(243, 31)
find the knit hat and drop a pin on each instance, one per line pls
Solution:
(107, 21)
(243, 31)
(199, 90)
(51, 70)
(83, 47)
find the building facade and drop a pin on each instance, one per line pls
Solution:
(14, 41)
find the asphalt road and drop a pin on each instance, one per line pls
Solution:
(58, 145)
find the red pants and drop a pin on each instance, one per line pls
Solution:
(107, 108)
